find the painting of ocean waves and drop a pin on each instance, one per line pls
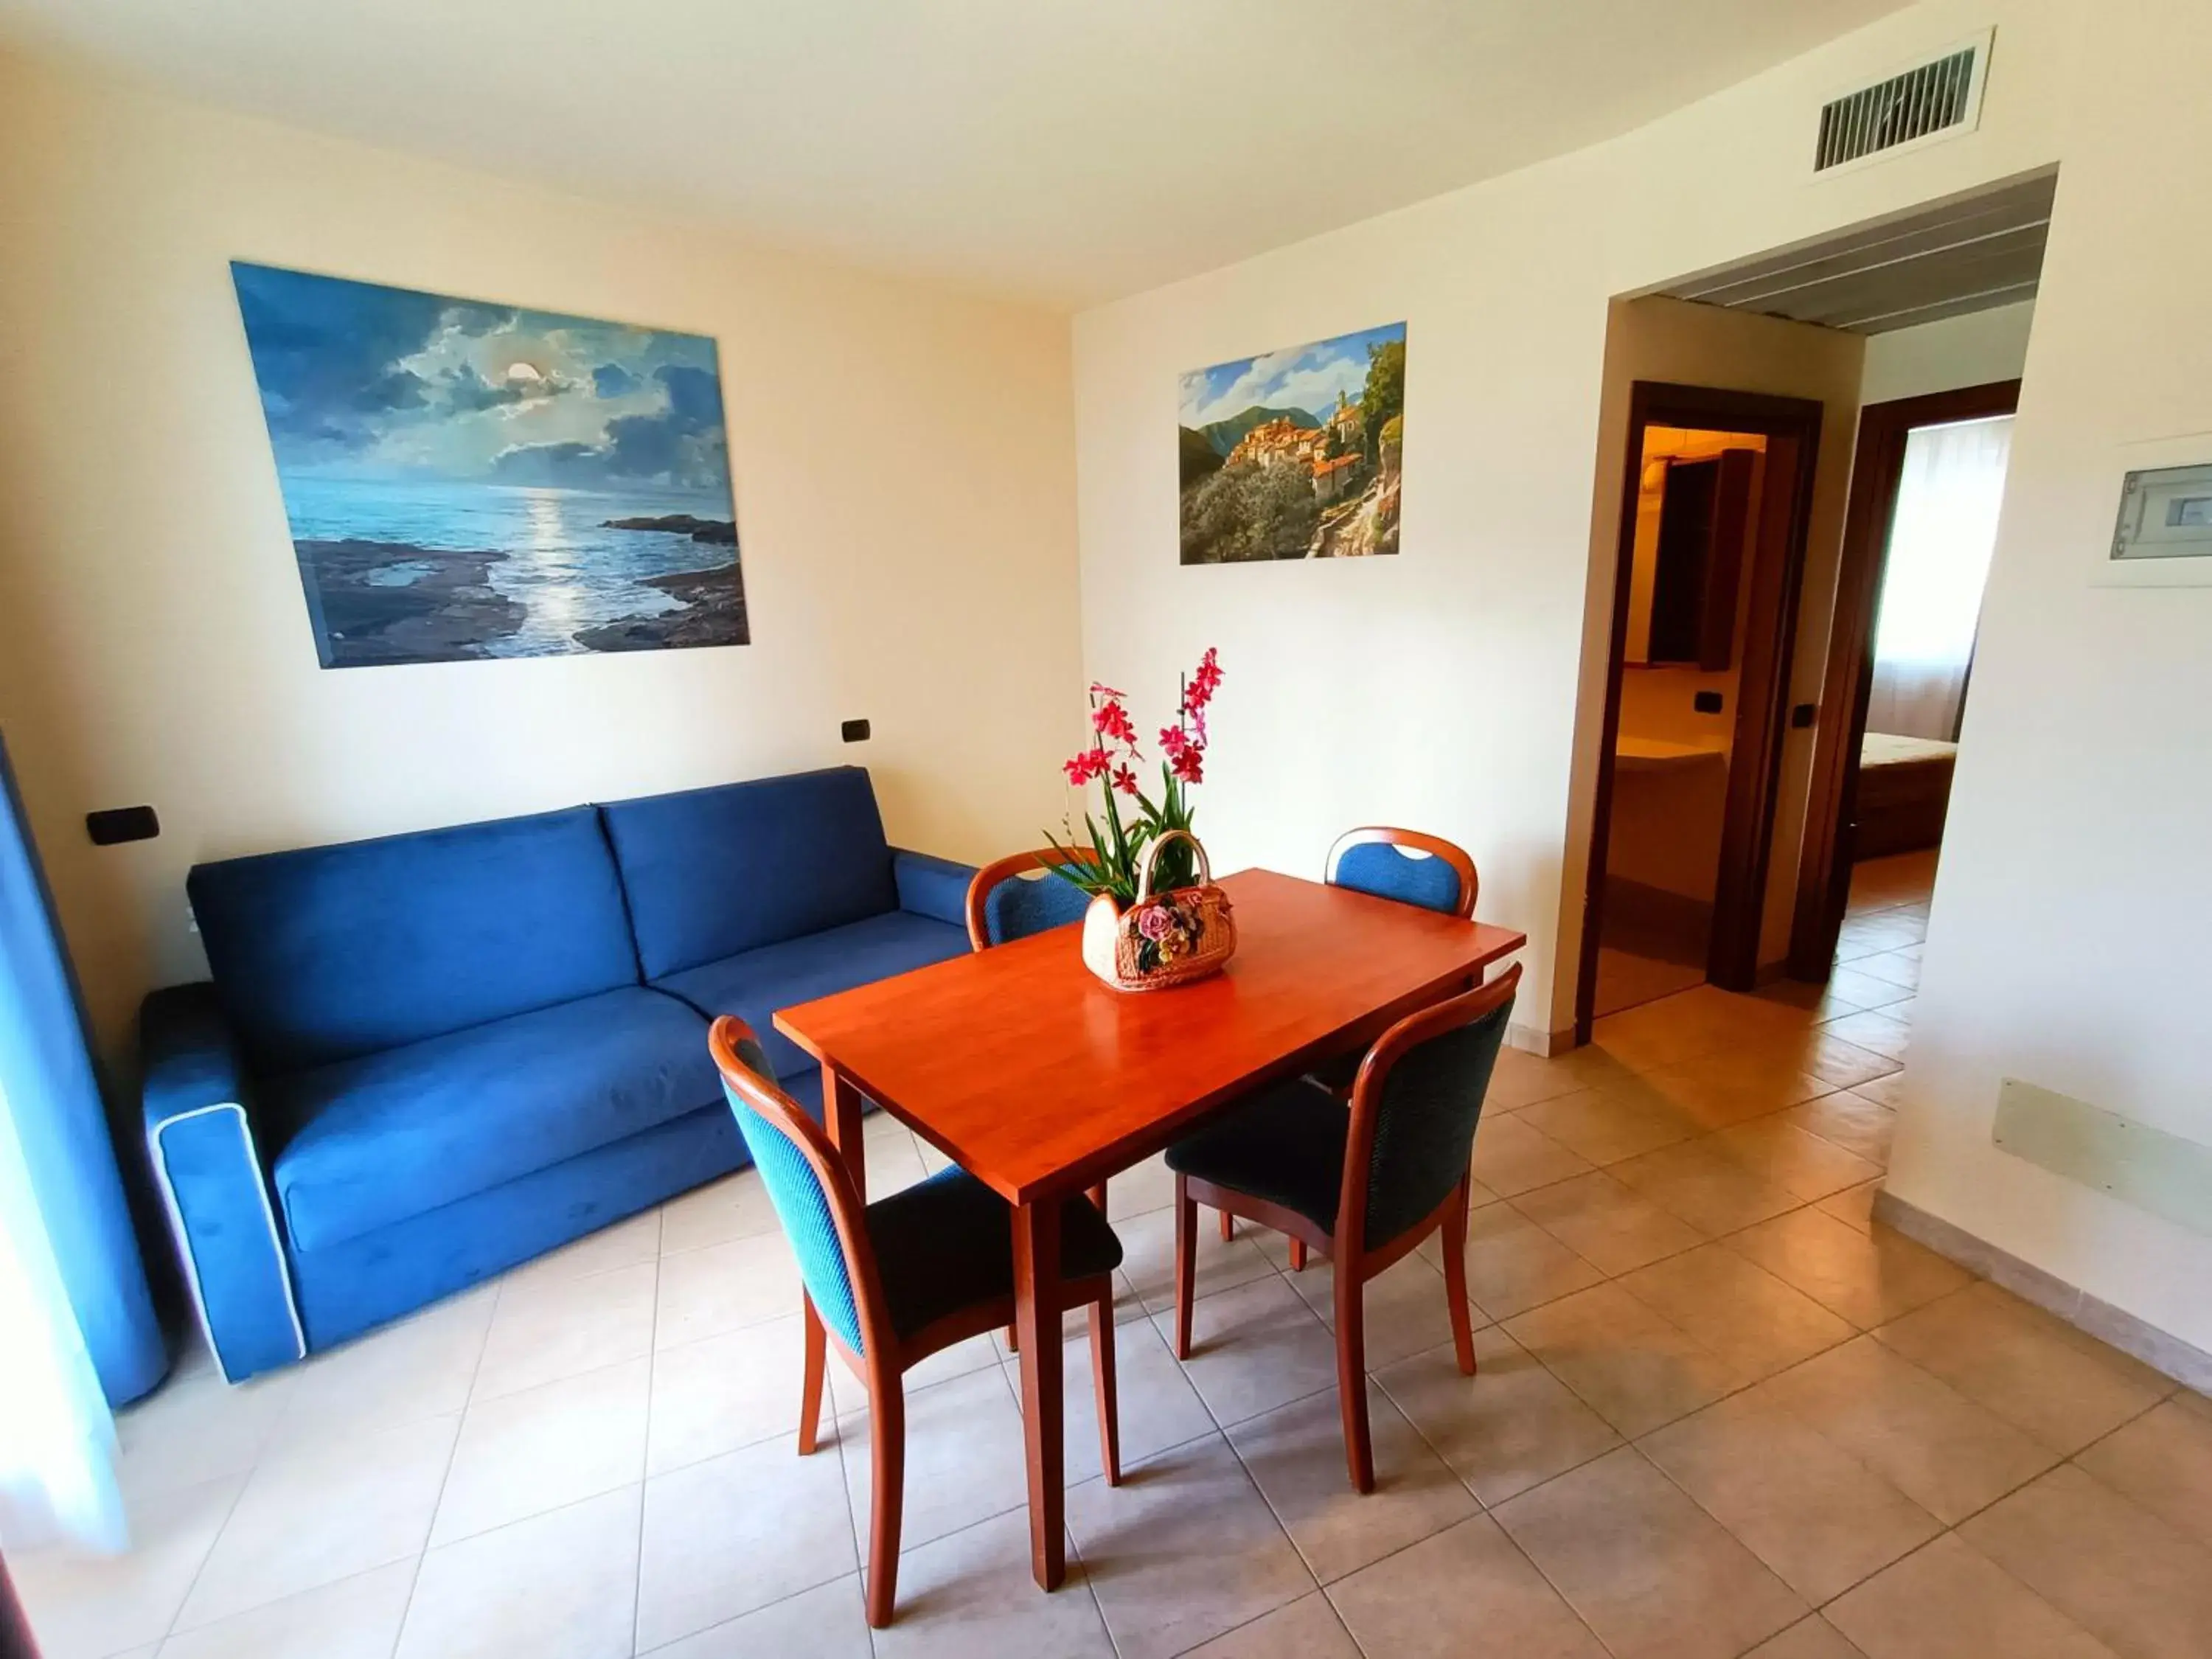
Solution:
(467, 481)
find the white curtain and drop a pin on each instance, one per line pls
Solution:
(56, 1435)
(1940, 544)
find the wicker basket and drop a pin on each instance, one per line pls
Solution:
(1161, 940)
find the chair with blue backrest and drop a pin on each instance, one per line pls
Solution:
(896, 1281)
(1017, 896)
(1364, 1186)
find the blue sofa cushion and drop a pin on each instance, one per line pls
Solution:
(372, 1141)
(754, 984)
(331, 952)
(711, 873)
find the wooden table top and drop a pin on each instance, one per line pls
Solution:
(1031, 1075)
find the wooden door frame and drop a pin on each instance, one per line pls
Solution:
(1824, 874)
(1762, 686)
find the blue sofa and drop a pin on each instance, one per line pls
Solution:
(425, 1058)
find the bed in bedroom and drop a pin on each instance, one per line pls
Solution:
(1903, 790)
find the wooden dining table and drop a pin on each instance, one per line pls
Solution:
(1040, 1081)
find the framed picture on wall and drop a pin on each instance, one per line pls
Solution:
(466, 480)
(1295, 454)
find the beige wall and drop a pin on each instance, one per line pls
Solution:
(904, 472)
(1959, 351)
(1438, 688)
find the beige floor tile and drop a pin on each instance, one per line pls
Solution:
(1900, 967)
(1849, 1120)
(1253, 1348)
(1603, 1126)
(1948, 1454)
(198, 1428)
(1737, 1084)
(1522, 1080)
(1823, 1053)
(1810, 1168)
(1880, 1032)
(2140, 1586)
(1869, 1278)
(1158, 1408)
(85, 1605)
(826, 1622)
(356, 1618)
(730, 1391)
(848, 1391)
(2163, 1461)
(725, 1287)
(1808, 1639)
(1857, 991)
(542, 1333)
(1612, 1227)
(734, 1534)
(1646, 1569)
(421, 1367)
(561, 1585)
(1405, 1306)
(624, 1244)
(2064, 1388)
(1947, 1600)
(1307, 1629)
(1713, 1192)
(1511, 1156)
(1872, 935)
(1510, 1426)
(970, 1596)
(313, 1517)
(1468, 1591)
(964, 1460)
(736, 1206)
(1183, 1551)
(544, 1449)
(1887, 1091)
(1148, 1258)
(1854, 1205)
(1631, 1366)
(1149, 1186)
(1819, 1520)
(1731, 1307)
(1513, 1264)
(1295, 1457)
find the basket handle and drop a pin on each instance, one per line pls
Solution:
(1152, 857)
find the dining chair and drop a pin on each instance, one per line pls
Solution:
(1364, 1186)
(892, 1282)
(1014, 896)
(1411, 868)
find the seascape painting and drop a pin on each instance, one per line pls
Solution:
(466, 480)
(1295, 454)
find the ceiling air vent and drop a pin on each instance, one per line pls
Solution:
(1930, 100)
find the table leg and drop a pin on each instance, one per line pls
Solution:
(840, 1117)
(1037, 1296)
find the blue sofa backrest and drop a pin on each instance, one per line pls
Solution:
(710, 872)
(332, 951)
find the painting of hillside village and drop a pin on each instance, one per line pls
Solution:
(1295, 454)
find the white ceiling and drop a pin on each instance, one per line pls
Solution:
(1063, 150)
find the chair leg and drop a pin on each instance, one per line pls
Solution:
(1102, 1377)
(1186, 1266)
(1351, 1374)
(1013, 1338)
(1454, 1242)
(1228, 1227)
(810, 1389)
(1297, 1255)
(887, 1499)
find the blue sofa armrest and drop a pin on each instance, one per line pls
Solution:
(199, 1131)
(932, 887)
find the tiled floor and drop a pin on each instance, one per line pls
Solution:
(1719, 1413)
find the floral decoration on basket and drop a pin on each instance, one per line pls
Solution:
(1155, 918)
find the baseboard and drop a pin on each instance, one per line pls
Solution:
(2161, 1351)
(1534, 1040)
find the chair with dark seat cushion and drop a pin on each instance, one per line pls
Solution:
(1364, 1186)
(896, 1281)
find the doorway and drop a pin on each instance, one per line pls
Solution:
(1715, 508)
(1927, 480)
